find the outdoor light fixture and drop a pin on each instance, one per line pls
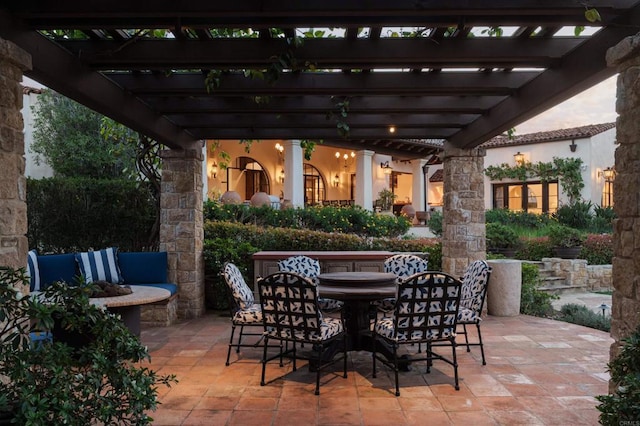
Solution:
(386, 168)
(392, 129)
(573, 146)
(519, 158)
(609, 174)
(280, 150)
(281, 176)
(336, 180)
(348, 158)
(214, 169)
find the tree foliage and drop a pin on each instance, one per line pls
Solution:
(68, 137)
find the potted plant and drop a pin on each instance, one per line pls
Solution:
(566, 241)
(103, 381)
(502, 240)
(386, 198)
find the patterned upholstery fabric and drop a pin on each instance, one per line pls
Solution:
(309, 268)
(244, 311)
(240, 292)
(474, 290)
(403, 265)
(290, 312)
(426, 312)
(474, 285)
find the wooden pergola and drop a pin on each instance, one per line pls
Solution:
(436, 70)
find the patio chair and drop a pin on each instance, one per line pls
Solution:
(402, 265)
(426, 312)
(474, 291)
(309, 268)
(291, 313)
(244, 311)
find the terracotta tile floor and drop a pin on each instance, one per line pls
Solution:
(538, 372)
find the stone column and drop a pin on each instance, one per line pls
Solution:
(418, 198)
(463, 227)
(294, 173)
(13, 184)
(181, 227)
(364, 180)
(626, 192)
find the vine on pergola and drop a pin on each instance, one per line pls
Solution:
(565, 170)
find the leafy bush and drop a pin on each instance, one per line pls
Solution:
(519, 219)
(435, 223)
(602, 222)
(350, 220)
(623, 406)
(533, 301)
(581, 315)
(77, 214)
(576, 215)
(565, 236)
(598, 249)
(501, 237)
(535, 249)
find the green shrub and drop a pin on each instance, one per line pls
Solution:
(581, 315)
(519, 219)
(535, 249)
(349, 220)
(533, 301)
(501, 237)
(565, 236)
(577, 215)
(623, 405)
(435, 223)
(77, 214)
(602, 222)
(598, 249)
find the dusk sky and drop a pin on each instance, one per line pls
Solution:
(596, 105)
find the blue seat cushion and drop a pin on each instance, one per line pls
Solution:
(57, 267)
(143, 267)
(173, 288)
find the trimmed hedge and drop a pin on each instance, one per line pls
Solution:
(77, 214)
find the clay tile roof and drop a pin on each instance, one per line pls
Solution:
(437, 176)
(550, 136)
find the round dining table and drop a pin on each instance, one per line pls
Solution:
(357, 290)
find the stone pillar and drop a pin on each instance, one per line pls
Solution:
(463, 227)
(418, 190)
(181, 227)
(626, 192)
(13, 184)
(503, 295)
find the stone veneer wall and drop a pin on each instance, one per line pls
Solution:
(13, 184)
(181, 227)
(625, 56)
(577, 272)
(463, 222)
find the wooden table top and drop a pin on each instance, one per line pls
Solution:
(357, 285)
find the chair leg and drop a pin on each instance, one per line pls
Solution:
(481, 345)
(455, 363)
(264, 360)
(233, 330)
(320, 353)
(344, 354)
(373, 355)
(466, 337)
(395, 368)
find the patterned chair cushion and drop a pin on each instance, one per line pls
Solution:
(467, 315)
(385, 328)
(250, 315)
(329, 327)
(240, 292)
(474, 285)
(402, 265)
(309, 268)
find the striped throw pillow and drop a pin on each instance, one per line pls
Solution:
(33, 271)
(100, 265)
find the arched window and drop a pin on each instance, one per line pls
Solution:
(246, 177)
(314, 186)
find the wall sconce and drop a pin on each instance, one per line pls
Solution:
(214, 170)
(281, 176)
(336, 180)
(609, 174)
(386, 168)
(280, 150)
(519, 158)
(573, 146)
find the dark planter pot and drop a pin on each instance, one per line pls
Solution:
(506, 252)
(567, 252)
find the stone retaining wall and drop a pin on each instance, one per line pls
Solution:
(577, 272)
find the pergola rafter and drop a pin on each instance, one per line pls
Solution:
(427, 67)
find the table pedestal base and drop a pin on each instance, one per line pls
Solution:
(130, 317)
